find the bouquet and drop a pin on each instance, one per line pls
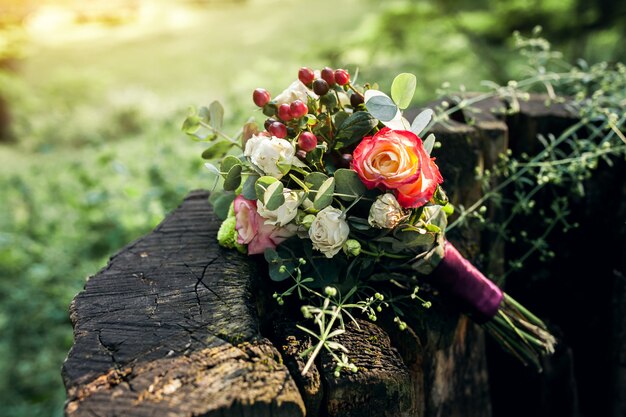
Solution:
(339, 193)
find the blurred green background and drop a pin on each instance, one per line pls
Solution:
(92, 95)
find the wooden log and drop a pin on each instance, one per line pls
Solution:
(170, 328)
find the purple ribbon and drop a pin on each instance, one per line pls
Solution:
(457, 277)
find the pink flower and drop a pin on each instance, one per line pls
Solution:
(252, 230)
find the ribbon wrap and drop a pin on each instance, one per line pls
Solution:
(457, 277)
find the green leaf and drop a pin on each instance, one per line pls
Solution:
(403, 89)
(382, 108)
(216, 112)
(324, 194)
(248, 190)
(429, 143)
(274, 261)
(354, 128)
(347, 182)
(204, 114)
(261, 186)
(191, 123)
(421, 121)
(217, 149)
(273, 197)
(227, 163)
(214, 170)
(233, 178)
(221, 202)
(315, 180)
(340, 116)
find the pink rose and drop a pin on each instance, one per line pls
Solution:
(252, 230)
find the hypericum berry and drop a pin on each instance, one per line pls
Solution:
(284, 112)
(307, 141)
(328, 75)
(306, 75)
(278, 129)
(320, 87)
(342, 77)
(297, 109)
(268, 122)
(356, 100)
(261, 97)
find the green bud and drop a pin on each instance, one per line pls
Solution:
(352, 247)
(282, 269)
(330, 291)
(379, 296)
(307, 221)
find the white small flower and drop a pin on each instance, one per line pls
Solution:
(329, 231)
(283, 214)
(266, 153)
(386, 212)
(296, 91)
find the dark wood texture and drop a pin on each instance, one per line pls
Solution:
(170, 328)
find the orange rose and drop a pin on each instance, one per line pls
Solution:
(396, 160)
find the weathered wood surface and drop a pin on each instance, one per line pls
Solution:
(170, 328)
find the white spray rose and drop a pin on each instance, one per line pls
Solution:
(386, 212)
(283, 214)
(329, 231)
(296, 91)
(266, 153)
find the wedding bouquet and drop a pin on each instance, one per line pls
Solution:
(340, 195)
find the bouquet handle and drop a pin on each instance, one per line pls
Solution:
(518, 330)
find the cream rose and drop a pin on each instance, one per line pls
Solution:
(266, 153)
(283, 214)
(386, 212)
(296, 91)
(329, 231)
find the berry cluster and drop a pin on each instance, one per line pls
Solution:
(308, 119)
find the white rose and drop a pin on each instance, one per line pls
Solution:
(386, 212)
(266, 153)
(329, 231)
(296, 91)
(283, 214)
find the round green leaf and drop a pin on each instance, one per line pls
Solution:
(233, 178)
(403, 89)
(382, 107)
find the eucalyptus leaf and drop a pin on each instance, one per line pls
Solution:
(324, 196)
(227, 163)
(347, 182)
(204, 114)
(216, 112)
(248, 190)
(191, 124)
(233, 178)
(429, 143)
(261, 185)
(212, 168)
(381, 107)
(315, 180)
(273, 197)
(217, 149)
(403, 89)
(421, 121)
(221, 202)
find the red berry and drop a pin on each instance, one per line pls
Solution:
(306, 75)
(268, 122)
(342, 77)
(278, 129)
(328, 75)
(261, 97)
(297, 109)
(307, 141)
(284, 112)
(356, 100)
(320, 87)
